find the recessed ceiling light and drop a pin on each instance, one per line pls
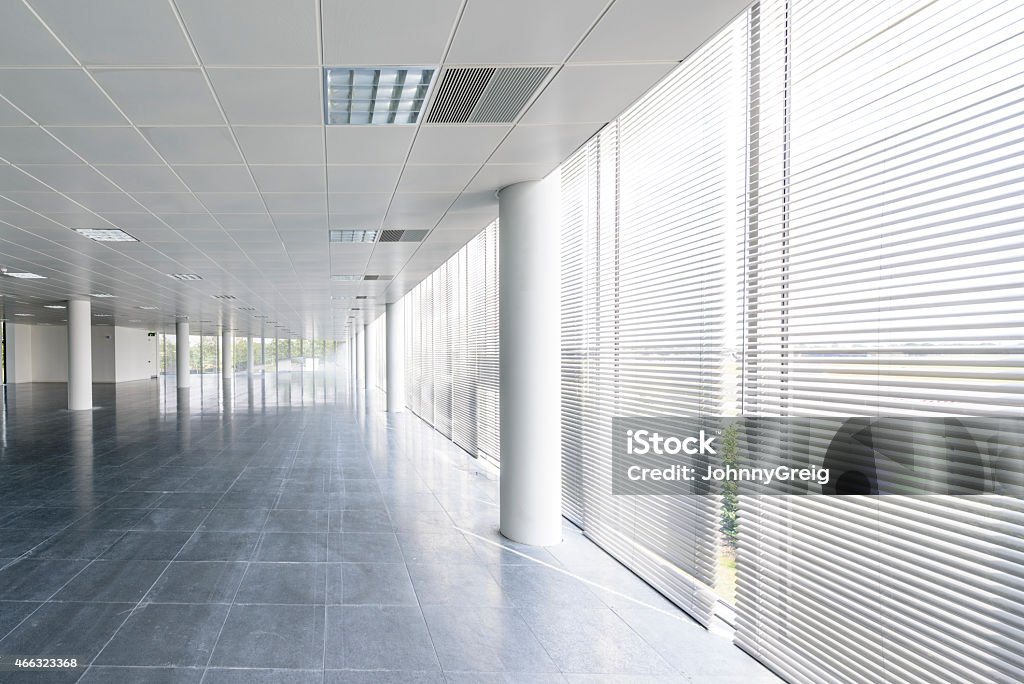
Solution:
(102, 315)
(101, 294)
(346, 277)
(375, 96)
(24, 314)
(105, 234)
(352, 235)
(24, 274)
(54, 306)
(185, 276)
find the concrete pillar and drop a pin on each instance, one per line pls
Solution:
(360, 353)
(79, 355)
(251, 356)
(183, 355)
(529, 343)
(227, 349)
(370, 356)
(395, 323)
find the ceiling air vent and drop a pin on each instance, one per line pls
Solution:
(485, 95)
(402, 235)
(224, 296)
(377, 277)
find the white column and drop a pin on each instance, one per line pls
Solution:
(79, 355)
(370, 355)
(360, 350)
(250, 356)
(529, 343)
(182, 352)
(395, 323)
(227, 348)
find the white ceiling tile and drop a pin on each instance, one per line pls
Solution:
(417, 210)
(389, 257)
(45, 95)
(70, 177)
(655, 30)
(9, 116)
(192, 222)
(584, 94)
(467, 220)
(436, 177)
(368, 144)
(307, 222)
(169, 202)
(542, 144)
(296, 202)
(117, 32)
(493, 177)
(281, 144)
(279, 97)
(216, 178)
(247, 32)
(232, 202)
(161, 97)
(531, 31)
(133, 219)
(357, 32)
(194, 145)
(362, 178)
(101, 202)
(456, 144)
(43, 202)
(359, 202)
(357, 221)
(27, 220)
(32, 145)
(348, 259)
(290, 178)
(13, 179)
(245, 221)
(108, 145)
(132, 178)
(24, 41)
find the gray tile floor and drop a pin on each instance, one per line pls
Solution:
(289, 533)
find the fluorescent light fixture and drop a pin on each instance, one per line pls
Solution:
(224, 296)
(101, 294)
(375, 96)
(24, 314)
(346, 277)
(105, 234)
(25, 275)
(353, 235)
(54, 306)
(102, 315)
(185, 276)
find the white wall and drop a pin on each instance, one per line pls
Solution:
(134, 355)
(19, 352)
(49, 353)
(39, 353)
(103, 368)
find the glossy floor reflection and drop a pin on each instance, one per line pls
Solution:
(280, 530)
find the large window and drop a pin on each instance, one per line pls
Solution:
(451, 347)
(818, 213)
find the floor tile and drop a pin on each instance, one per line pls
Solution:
(77, 630)
(292, 546)
(378, 638)
(220, 546)
(251, 676)
(112, 581)
(197, 582)
(456, 634)
(146, 546)
(36, 580)
(289, 583)
(356, 548)
(290, 637)
(166, 635)
(370, 584)
(141, 675)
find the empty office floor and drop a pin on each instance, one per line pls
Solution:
(289, 534)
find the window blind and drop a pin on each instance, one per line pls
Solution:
(650, 209)
(884, 276)
(451, 347)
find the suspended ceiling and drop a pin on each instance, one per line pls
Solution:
(197, 127)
